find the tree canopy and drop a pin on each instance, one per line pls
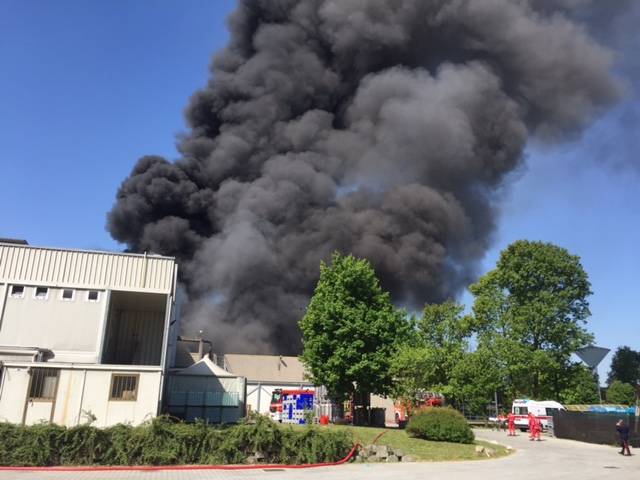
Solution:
(582, 387)
(621, 393)
(530, 312)
(625, 366)
(438, 342)
(351, 330)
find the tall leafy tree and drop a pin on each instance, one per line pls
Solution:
(625, 366)
(413, 370)
(475, 379)
(582, 388)
(439, 342)
(351, 330)
(621, 393)
(531, 311)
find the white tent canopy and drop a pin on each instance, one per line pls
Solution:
(206, 367)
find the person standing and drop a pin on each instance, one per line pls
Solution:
(623, 433)
(501, 421)
(537, 428)
(511, 422)
(532, 421)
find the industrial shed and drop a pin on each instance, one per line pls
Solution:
(205, 391)
(84, 333)
(264, 374)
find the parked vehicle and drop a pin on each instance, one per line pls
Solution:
(289, 406)
(404, 409)
(541, 409)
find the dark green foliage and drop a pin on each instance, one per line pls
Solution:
(351, 330)
(441, 425)
(314, 445)
(530, 313)
(582, 388)
(35, 445)
(426, 362)
(164, 442)
(621, 393)
(82, 444)
(625, 366)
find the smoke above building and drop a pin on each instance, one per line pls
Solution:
(382, 128)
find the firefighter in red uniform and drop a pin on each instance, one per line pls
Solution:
(511, 421)
(537, 428)
(532, 421)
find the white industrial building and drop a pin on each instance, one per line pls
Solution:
(264, 374)
(84, 334)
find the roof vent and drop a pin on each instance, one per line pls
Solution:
(14, 241)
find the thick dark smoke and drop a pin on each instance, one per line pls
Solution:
(383, 128)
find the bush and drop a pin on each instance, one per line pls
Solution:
(621, 393)
(440, 424)
(165, 442)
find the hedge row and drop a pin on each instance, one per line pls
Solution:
(164, 442)
(441, 425)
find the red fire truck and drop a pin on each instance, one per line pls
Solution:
(404, 409)
(280, 395)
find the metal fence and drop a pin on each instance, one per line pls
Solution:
(594, 427)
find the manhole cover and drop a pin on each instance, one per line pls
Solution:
(610, 466)
(273, 469)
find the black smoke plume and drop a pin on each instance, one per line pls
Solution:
(383, 128)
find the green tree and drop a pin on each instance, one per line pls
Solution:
(625, 366)
(426, 361)
(530, 311)
(475, 379)
(412, 369)
(621, 393)
(582, 388)
(351, 330)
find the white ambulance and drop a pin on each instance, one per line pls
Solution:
(542, 410)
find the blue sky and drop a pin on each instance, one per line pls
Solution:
(87, 87)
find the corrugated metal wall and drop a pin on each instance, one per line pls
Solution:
(83, 269)
(135, 337)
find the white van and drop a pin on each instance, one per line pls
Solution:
(542, 410)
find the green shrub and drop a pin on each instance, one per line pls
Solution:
(314, 445)
(440, 424)
(166, 442)
(82, 445)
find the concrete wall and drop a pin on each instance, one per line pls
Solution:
(13, 392)
(80, 392)
(71, 328)
(386, 403)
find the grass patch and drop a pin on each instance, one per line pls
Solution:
(423, 450)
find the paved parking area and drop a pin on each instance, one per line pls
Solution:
(550, 459)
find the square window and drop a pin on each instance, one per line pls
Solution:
(17, 291)
(124, 387)
(67, 294)
(41, 293)
(43, 384)
(93, 295)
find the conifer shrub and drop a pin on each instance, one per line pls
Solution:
(164, 441)
(441, 425)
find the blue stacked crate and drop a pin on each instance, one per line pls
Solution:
(294, 407)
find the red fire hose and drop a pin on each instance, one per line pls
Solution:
(378, 436)
(155, 468)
